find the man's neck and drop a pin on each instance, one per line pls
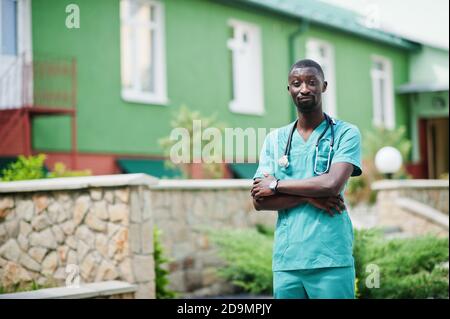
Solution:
(309, 121)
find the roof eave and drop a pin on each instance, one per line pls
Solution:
(381, 37)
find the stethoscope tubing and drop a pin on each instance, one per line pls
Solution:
(330, 123)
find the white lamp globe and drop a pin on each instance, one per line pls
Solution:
(388, 160)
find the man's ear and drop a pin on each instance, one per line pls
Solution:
(325, 85)
(288, 87)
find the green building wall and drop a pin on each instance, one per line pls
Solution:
(198, 73)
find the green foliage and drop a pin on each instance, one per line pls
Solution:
(184, 118)
(380, 137)
(161, 274)
(32, 167)
(25, 168)
(248, 257)
(358, 188)
(21, 287)
(265, 230)
(408, 267)
(60, 170)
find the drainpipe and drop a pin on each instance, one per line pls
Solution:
(292, 37)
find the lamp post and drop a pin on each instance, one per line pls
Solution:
(388, 161)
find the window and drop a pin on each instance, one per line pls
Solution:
(142, 51)
(382, 93)
(8, 27)
(323, 53)
(247, 77)
(15, 52)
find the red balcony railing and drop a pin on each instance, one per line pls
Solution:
(45, 86)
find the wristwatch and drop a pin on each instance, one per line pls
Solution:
(273, 185)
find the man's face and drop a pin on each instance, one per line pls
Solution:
(306, 86)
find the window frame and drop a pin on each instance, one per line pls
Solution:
(237, 105)
(330, 73)
(383, 112)
(135, 94)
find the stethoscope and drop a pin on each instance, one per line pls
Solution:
(283, 161)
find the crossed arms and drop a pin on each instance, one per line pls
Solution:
(321, 191)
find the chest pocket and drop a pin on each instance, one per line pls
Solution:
(321, 163)
(298, 166)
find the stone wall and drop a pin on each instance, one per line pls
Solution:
(430, 195)
(102, 225)
(184, 210)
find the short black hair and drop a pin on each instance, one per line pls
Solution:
(307, 63)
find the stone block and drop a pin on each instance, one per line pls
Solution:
(143, 268)
(29, 263)
(11, 250)
(44, 239)
(37, 253)
(49, 264)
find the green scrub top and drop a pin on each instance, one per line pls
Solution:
(307, 237)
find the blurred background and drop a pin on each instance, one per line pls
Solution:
(95, 88)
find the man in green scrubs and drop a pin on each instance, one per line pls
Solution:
(312, 255)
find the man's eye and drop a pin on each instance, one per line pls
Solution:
(312, 82)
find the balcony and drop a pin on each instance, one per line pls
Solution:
(44, 86)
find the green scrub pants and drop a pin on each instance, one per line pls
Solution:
(320, 283)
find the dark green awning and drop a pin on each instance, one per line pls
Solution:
(244, 170)
(153, 167)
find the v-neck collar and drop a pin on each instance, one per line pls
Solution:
(313, 133)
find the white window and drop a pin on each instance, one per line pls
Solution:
(323, 53)
(15, 52)
(142, 51)
(8, 27)
(382, 93)
(247, 76)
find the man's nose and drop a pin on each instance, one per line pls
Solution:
(304, 89)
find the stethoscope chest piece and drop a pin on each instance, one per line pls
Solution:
(283, 161)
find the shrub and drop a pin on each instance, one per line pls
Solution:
(32, 167)
(408, 267)
(60, 170)
(25, 168)
(23, 286)
(358, 188)
(161, 281)
(184, 118)
(248, 257)
(265, 230)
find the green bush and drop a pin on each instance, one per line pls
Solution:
(22, 287)
(32, 167)
(25, 168)
(184, 118)
(161, 281)
(60, 170)
(358, 189)
(379, 137)
(265, 230)
(248, 257)
(408, 267)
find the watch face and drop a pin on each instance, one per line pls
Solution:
(272, 185)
